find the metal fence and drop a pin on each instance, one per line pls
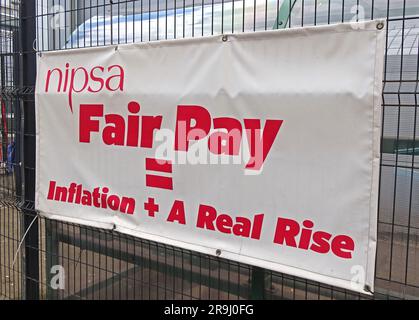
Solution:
(102, 264)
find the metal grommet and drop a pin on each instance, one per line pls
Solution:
(218, 252)
(224, 38)
(380, 25)
(280, 23)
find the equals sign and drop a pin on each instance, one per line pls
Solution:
(158, 181)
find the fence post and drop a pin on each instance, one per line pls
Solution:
(257, 284)
(27, 84)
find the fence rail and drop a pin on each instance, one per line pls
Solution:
(102, 264)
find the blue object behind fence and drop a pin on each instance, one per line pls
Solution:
(10, 157)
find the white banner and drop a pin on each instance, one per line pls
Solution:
(261, 148)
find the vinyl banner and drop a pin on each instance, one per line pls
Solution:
(261, 148)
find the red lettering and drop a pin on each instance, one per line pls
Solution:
(286, 231)
(72, 89)
(118, 131)
(243, 227)
(80, 79)
(51, 190)
(289, 233)
(133, 124)
(342, 246)
(48, 80)
(97, 79)
(306, 235)
(87, 125)
(127, 205)
(177, 213)
(120, 77)
(224, 223)
(150, 124)
(185, 131)
(114, 132)
(206, 217)
(113, 202)
(260, 146)
(321, 242)
(98, 198)
(229, 142)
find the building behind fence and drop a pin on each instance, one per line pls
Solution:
(101, 264)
